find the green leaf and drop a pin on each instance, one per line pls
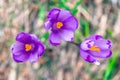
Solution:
(44, 37)
(109, 33)
(78, 36)
(75, 10)
(42, 11)
(85, 27)
(111, 67)
(62, 4)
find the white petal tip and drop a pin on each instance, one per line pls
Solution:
(97, 62)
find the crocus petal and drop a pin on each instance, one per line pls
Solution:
(41, 50)
(33, 57)
(23, 37)
(64, 14)
(87, 57)
(47, 24)
(70, 23)
(102, 54)
(87, 44)
(54, 39)
(53, 14)
(95, 37)
(66, 34)
(34, 37)
(38, 46)
(17, 47)
(103, 44)
(22, 57)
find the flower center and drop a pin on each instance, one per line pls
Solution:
(28, 47)
(94, 48)
(59, 25)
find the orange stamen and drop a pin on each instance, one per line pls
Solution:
(59, 25)
(94, 48)
(28, 47)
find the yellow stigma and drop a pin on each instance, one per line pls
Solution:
(28, 47)
(94, 48)
(59, 25)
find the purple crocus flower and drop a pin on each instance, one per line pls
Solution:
(62, 25)
(27, 47)
(95, 47)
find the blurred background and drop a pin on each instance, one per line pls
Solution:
(62, 62)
